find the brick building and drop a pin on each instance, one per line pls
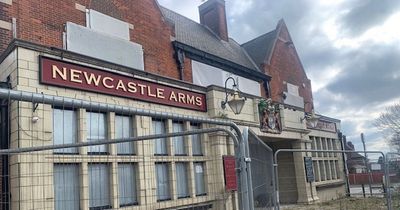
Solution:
(131, 53)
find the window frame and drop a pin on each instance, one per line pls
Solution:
(88, 130)
(132, 133)
(133, 167)
(75, 129)
(76, 186)
(162, 141)
(168, 182)
(325, 164)
(108, 186)
(199, 139)
(179, 139)
(202, 164)
(180, 179)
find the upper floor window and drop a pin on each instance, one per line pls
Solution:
(96, 131)
(65, 129)
(179, 141)
(160, 145)
(197, 149)
(123, 129)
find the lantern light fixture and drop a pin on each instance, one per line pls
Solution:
(236, 101)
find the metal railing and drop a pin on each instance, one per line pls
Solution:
(386, 173)
(35, 98)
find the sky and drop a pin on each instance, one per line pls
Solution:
(350, 50)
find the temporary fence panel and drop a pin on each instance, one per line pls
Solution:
(384, 203)
(262, 172)
(393, 165)
(72, 154)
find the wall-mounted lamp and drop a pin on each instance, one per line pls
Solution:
(312, 119)
(236, 102)
(35, 119)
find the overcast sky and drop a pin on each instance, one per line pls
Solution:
(350, 50)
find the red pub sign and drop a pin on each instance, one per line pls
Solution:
(70, 75)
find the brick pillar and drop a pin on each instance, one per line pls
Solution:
(216, 186)
(306, 191)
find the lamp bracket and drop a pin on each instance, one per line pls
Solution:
(34, 106)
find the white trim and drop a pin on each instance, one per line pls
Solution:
(5, 25)
(79, 7)
(9, 2)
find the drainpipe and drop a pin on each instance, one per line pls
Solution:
(180, 60)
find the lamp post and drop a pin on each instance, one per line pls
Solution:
(236, 102)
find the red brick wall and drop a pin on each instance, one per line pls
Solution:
(187, 71)
(42, 22)
(5, 35)
(285, 66)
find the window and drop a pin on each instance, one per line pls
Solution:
(196, 142)
(123, 129)
(99, 186)
(64, 129)
(179, 141)
(66, 186)
(199, 179)
(162, 175)
(96, 131)
(182, 180)
(160, 145)
(127, 184)
(325, 164)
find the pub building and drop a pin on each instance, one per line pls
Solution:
(139, 54)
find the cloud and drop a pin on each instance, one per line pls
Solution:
(368, 75)
(186, 8)
(360, 15)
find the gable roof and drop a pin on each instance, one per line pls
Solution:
(200, 37)
(261, 47)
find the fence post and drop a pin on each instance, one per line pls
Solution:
(387, 181)
(363, 190)
(247, 166)
(243, 177)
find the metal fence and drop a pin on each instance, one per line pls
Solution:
(262, 172)
(63, 153)
(385, 186)
(393, 165)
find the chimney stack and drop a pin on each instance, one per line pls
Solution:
(212, 15)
